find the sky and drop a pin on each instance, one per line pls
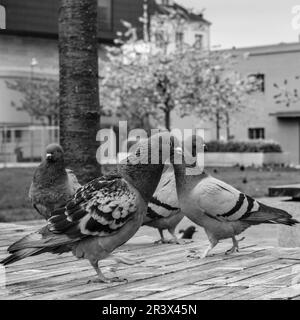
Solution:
(244, 23)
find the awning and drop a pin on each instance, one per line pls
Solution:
(286, 114)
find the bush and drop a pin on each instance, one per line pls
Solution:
(243, 146)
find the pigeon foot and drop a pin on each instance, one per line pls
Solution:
(235, 247)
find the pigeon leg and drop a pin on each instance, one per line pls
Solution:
(100, 277)
(162, 238)
(235, 247)
(212, 243)
(175, 239)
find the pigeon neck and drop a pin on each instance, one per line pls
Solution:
(52, 171)
(144, 177)
(187, 174)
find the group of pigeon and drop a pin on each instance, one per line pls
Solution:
(94, 219)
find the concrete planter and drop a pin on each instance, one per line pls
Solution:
(256, 159)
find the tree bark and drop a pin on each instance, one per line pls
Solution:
(218, 127)
(168, 120)
(79, 114)
(227, 125)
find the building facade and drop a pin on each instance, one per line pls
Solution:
(185, 27)
(272, 113)
(29, 49)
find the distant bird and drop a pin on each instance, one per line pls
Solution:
(104, 213)
(219, 208)
(188, 232)
(53, 185)
(163, 211)
(242, 168)
(216, 171)
(245, 180)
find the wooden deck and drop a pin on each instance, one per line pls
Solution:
(257, 272)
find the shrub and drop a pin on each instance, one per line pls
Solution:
(243, 146)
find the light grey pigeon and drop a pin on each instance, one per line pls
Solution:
(223, 211)
(163, 212)
(52, 185)
(104, 213)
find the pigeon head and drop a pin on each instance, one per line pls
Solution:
(192, 154)
(54, 153)
(145, 163)
(154, 150)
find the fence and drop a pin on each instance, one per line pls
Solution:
(25, 144)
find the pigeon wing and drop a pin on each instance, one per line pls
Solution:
(164, 202)
(221, 201)
(99, 208)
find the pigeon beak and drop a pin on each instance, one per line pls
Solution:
(48, 156)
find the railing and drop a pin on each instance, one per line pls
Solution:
(26, 143)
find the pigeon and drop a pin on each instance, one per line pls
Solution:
(163, 210)
(104, 213)
(223, 211)
(188, 232)
(53, 185)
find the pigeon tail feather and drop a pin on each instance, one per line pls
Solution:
(19, 255)
(267, 214)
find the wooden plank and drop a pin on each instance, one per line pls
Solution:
(175, 293)
(250, 293)
(185, 273)
(167, 273)
(211, 293)
(285, 293)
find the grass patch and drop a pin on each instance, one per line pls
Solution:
(15, 183)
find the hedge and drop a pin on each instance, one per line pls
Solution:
(243, 146)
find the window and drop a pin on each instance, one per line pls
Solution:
(6, 136)
(18, 134)
(198, 41)
(256, 133)
(179, 39)
(105, 14)
(260, 79)
(2, 18)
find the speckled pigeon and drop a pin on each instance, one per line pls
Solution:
(104, 213)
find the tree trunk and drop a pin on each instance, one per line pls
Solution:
(79, 115)
(227, 125)
(168, 119)
(218, 124)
